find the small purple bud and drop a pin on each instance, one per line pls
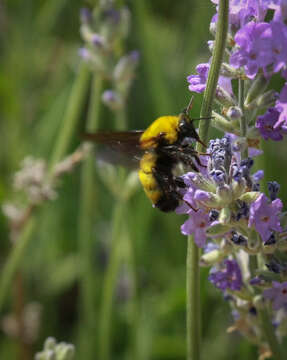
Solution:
(97, 40)
(85, 15)
(273, 189)
(84, 53)
(213, 215)
(255, 281)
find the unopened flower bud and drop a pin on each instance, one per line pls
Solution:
(212, 257)
(217, 229)
(221, 123)
(112, 99)
(249, 197)
(124, 69)
(254, 243)
(224, 216)
(224, 97)
(65, 351)
(238, 188)
(212, 28)
(266, 100)
(224, 193)
(257, 87)
(234, 113)
(229, 71)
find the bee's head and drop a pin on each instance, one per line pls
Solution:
(186, 127)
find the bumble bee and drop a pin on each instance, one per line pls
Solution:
(168, 141)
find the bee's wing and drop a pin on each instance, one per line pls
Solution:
(118, 147)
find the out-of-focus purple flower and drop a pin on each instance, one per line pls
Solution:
(229, 277)
(255, 48)
(259, 175)
(242, 11)
(84, 53)
(264, 216)
(112, 99)
(281, 107)
(198, 82)
(279, 40)
(277, 294)
(85, 15)
(280, 8)
(196, 225)
(265, 124)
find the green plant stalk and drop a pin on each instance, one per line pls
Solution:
(243, 120)
(86, 236)
(72, 114)
(110, 281)
(270, 336)
(14, 260)
(160, 97)
(192, 269)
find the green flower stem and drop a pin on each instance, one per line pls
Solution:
(193, 316)
(193, 253)
(160, 96)
(243, 120)
(14, 259)
(110, 281)
(270, 336)
(72, 114)
(86, 235)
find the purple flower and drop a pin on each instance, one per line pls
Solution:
(197, 82)
(255, 48)
(241, 11)
(277, 294)
(279, 49)
(229, 277)
(264, 216)
(265, 124)
(196, 224)
(281, 106)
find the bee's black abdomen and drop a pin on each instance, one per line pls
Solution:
(167, 203)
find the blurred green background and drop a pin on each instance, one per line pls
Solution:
(127, 303)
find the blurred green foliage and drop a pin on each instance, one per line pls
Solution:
(39, 63)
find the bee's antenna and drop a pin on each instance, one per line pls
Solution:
(189, 106)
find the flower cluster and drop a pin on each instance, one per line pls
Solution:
(228, 214)
(256, 51)
(103, 29)
(57, 351)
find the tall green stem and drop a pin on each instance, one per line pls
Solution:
(71, 116)
(192, 268)
(270, 336)
(109, 283)
(86, 236)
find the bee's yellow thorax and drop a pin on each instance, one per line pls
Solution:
(166, 125)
